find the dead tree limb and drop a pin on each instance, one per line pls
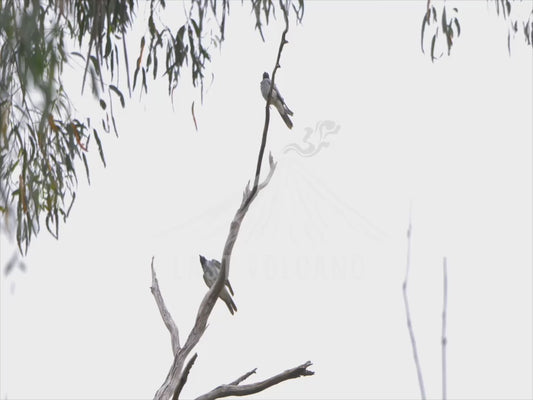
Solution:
(244, 390)
(184, 376)
(167, 390)
(167, 318)
(177, 374)
(444, 340)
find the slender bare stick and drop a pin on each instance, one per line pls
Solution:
(242, 378)
(269, 98)
(408, 313)
(444, 312)
(228, 247)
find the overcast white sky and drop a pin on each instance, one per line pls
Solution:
(319, 263)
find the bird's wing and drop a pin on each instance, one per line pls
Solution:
(216, 264)
(276, 93)
(225, 296)
(280, 101)
(207, 280)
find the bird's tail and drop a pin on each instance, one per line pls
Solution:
(284, 112)
(231, 305)
(287, 120)
(287, 109)
(228, 285)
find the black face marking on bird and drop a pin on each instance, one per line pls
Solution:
(265, 75)
(202, 261)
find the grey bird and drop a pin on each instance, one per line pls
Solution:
(211, 270)
(276, 99)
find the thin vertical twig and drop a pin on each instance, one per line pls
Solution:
(230, 242)
(444, 312)
(283, 42)
(408, 314)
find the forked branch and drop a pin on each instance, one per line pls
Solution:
(243, 390)
(177, 375)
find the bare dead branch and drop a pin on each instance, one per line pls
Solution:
(244, 390)
(171, 382)
(242, 378)
(408, 314)
(247, 198)
(184, 376)
(174, 376)
(177, 374)
(444, 312)
(167, 318)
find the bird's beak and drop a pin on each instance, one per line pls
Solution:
(202, 259)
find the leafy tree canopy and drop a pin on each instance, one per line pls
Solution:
(42, 138)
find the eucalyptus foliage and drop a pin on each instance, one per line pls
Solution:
(42, 140)
(444, 27)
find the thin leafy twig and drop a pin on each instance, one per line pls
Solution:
(408, 314)
(444, 314)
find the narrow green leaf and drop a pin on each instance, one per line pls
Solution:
(86, 167)
(139, 60)
(127, 63)
(456, 21)
(107, 46)
(144, 81)
(425, 21)
(99, 143)
(119, 94)
(433, 47)
(96, 65)
(443, 20)
(75, 53)
(196, 28)
(135, 77)
(180, 34)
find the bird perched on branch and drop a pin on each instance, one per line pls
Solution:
(276, 100)
(211, 270)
